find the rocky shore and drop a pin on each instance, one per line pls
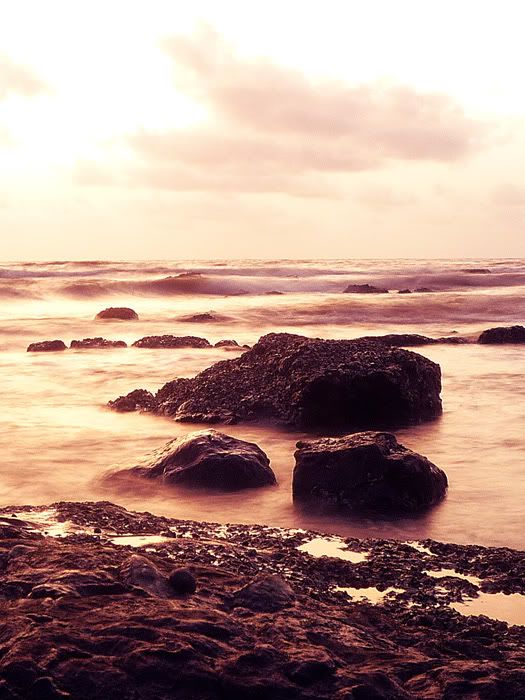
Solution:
(100, 602)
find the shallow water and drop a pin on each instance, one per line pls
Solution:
(57, 439)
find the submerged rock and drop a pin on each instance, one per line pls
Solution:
(210, 459)
(311, 384)
(171, 341)
(121, 313)
(98, 343)
(501, 335)
(207, 317)
(47, 346)
(477, 270)
(364, 289)
(366, 471)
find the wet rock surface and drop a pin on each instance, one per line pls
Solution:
(121, 313)
(310, 384)
(171, 341)
(207, 458)
(504, 334)
(96, 343)
(114, 627)
(137, 400)
(366, 471)
(47, 346)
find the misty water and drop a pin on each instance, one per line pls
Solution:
(58, 439)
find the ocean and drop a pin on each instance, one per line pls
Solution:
(58, 439)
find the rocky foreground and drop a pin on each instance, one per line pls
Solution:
(99, 602)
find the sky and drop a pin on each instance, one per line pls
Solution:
(301, 129)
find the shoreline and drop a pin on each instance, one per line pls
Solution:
(410, 644)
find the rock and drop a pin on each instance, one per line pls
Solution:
(423, 290)
(364, 289)
(401, 340)
(136, 400)
(310, 384)
(98, 343)
(306, 672)
(501, 335)
(366, 471)
(210, 459)
(47, 346)
(477, 270)
(171, 341)
(207, 317)
(405, 291)
(182, 581)
(226, 344)
(53, 590)
(267, 593)
(120, 313)
(274, 293)
(141, 572)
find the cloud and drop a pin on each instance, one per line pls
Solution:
(16, 79)
(273, 129)
(509, 195)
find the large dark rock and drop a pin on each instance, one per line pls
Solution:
(366, 471)
(508, 334)
(171, 341)
(96, 343)
(120, 313)
(310, 384)
(47, 346)
(364, 289)
(209, 459)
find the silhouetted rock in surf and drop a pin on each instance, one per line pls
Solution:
(207, 317)
(226, 344)
(503, 334)
(96, 343)
(364, 289)
(401, 340)
(117, 313)
(171, 341)
(405, 291)
(424, 290)
(366, 471)
(311, 384)
(47, 346)
(207, 458)
(477, 270)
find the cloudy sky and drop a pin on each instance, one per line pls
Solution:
(157, 129)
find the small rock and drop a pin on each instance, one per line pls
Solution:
(182, 581)
(96, 343)
(139, 399)
(171, 341)
(503, 334)
(265, 594)
(120, 313)
(47, 346)
(364, 289)
(226, 343)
